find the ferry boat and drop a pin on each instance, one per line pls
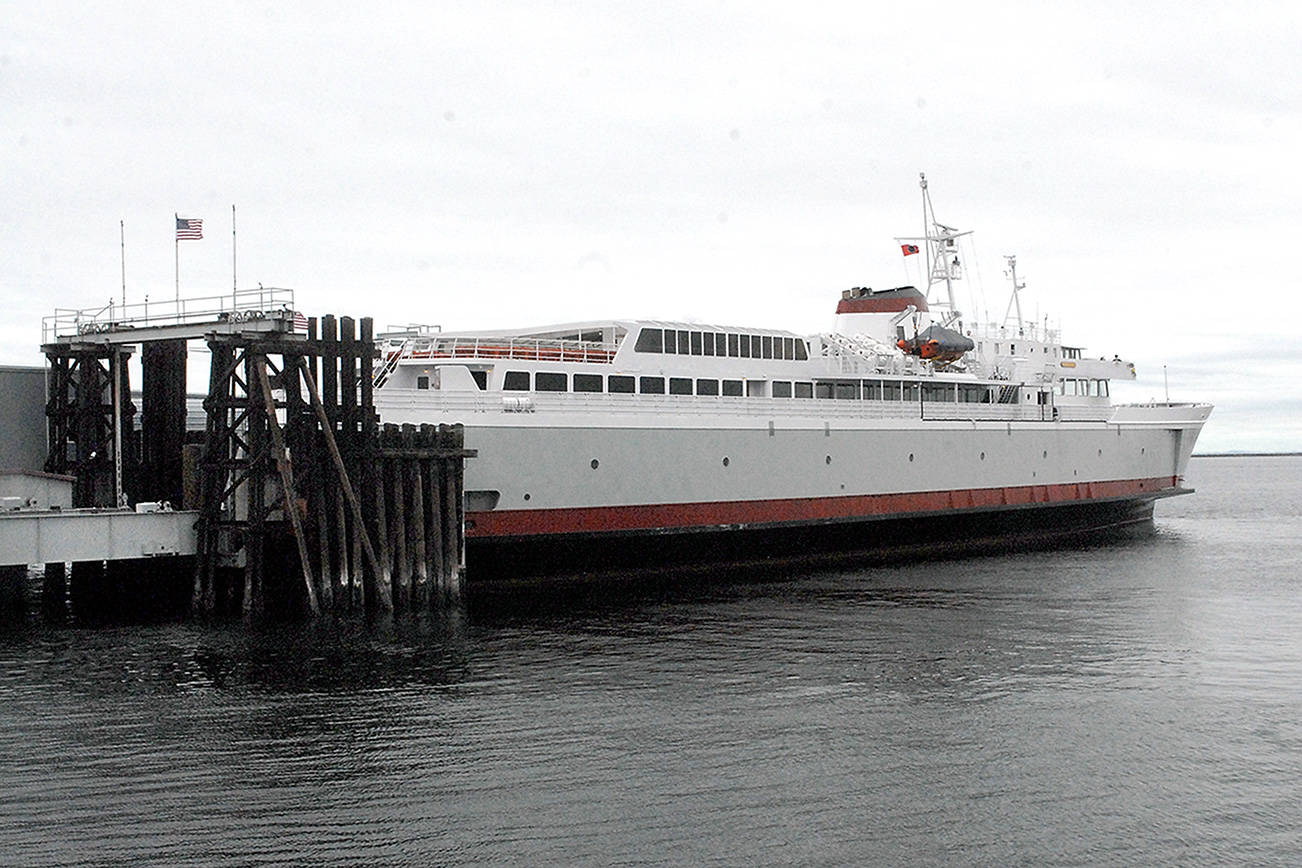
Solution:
(634, 443)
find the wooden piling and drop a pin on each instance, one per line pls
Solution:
(450, 443)
(434, 521)
(162, 419)
(329, 576)
(255, 494)
(402, 565)
(417, 525)
(54, 591)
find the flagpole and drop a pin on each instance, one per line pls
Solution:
(177, 243)
(122, 231)
(234, 273)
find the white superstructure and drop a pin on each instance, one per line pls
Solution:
(631, 427)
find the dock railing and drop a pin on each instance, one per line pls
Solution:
(244, 304)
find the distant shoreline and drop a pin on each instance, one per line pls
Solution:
(1246, 454)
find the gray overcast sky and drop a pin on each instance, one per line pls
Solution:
(497, 165)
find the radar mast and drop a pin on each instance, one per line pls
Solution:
(943, 265)
(1016, 300)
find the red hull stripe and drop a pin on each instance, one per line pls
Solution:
(685, 516)
(893, 304)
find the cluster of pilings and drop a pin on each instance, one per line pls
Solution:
(92, 437)
(419, 511)
(304, 502)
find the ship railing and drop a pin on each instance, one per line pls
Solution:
(857, 354)
(527, 349)
(396, 403)
(387, 361)
(245, 305)
(1028, 332)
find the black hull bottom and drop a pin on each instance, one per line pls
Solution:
(875, 541)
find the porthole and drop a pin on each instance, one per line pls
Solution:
(1045, 454)
(829, 459)
(526, 495)
(983, 456)
(1100, 453)
(725, 461)
(595, 463)
(910, 456)
(1143, 451)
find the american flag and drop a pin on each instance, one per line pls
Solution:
(300, 321)
(187, 229)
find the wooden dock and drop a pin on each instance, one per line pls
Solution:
(297, 500)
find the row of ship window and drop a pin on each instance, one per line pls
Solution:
(866, 390)
(1083, 388)
(685, 342)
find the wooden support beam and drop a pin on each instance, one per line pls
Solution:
(385, 599)
(255, 491)
(288, 499)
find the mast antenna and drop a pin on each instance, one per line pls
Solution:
(1016, 300)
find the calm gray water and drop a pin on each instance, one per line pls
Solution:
(1138, 703)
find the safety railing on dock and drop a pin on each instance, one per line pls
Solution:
(242, 305)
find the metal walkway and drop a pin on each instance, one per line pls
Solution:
(249, 310)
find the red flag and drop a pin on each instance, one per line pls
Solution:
(909, 249)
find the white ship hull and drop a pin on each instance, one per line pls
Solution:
(558, 471)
